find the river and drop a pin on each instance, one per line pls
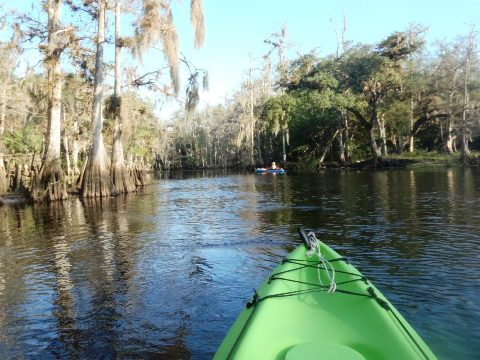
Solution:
(165, 272)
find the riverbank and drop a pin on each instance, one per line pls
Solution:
(392, 161)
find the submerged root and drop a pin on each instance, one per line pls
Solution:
(48, 184)
(140, 175)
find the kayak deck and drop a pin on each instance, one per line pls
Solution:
(294, 316)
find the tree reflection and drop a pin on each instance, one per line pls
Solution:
(145, 275)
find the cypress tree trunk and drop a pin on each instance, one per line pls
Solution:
(96, 179)
(3, 175)
(373, 143)
(122, 181)
(3, 172)
(3, 106)
(466, 100)
(450, 137)
(75, 150)
(341, 144)
(411, 144)
(17, 178)
(49, 183)
(383, 135)
(328, 146)
(346, 136)
(343, 138)
(66, 147)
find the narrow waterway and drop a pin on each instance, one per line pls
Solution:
(164, 273)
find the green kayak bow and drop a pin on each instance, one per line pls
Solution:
(315, 305)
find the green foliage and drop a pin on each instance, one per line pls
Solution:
(428, 138)
(24, 142)
(359, 148)
(314, 119)
(363, 88)
(357, 66)
(398, 115)
(277, 112)
(300, 153)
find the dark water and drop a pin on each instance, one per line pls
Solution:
(164, 274)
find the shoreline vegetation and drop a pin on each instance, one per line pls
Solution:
(94, 130)
(394, 161)
(21, 196)
(412, 160)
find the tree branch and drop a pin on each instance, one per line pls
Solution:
(360, 117)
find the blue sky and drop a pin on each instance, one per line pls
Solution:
(236, 28)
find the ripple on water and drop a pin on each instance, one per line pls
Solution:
(165, 273)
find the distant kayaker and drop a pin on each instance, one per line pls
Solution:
(274, 166)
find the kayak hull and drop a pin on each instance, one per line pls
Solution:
(270, 171)
(292, 319)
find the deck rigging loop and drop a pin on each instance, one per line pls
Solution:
(329, 270)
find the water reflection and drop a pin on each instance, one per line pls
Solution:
(165, 272)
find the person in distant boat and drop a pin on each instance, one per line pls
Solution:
(274, 166)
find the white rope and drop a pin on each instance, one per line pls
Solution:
(329, 270)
